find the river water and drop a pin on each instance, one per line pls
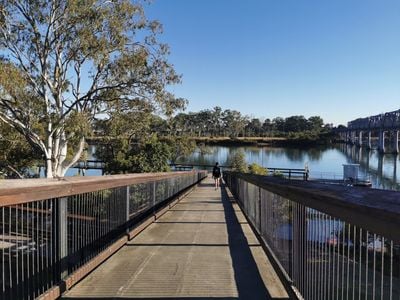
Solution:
(323, 162)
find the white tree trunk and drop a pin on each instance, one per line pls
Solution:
(56, 158)
(49, 153)
(49, 168)
(66, 165)
(62, 154)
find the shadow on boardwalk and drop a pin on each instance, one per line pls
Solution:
(212, 260)
(248, 280)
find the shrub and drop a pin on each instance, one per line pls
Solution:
(238, 161)
(257, 169)
(278, 174)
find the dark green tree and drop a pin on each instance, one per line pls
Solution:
(315, 123)
(152, 156)
(254, 127)
(279, 124)
(296, 124)
(123, 156)
(180, 147)
(18, 159)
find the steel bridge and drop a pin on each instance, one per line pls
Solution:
(385, 126)
(175, 236)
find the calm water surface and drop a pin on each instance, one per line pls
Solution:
(324, 163)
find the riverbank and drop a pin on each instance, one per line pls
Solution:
(299, 140)
(239, 141)
(258, 141)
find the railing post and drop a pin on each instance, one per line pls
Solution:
(299, 255)
(154, 197)
(127, 208)
(259, 211)
(61, 237)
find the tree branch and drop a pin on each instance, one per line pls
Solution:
(24, 130)
(77, 155)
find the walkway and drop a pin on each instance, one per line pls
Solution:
(203, 248)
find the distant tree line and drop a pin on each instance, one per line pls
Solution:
(231, 123)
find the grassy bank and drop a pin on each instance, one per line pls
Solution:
(240, 141)
(264, 141)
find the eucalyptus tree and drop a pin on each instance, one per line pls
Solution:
(181, 124)
(296, 124)
(204, 122)
(181, 147)
(65, 62)
(278, 124)
(315, 123)
(216, 121)
(254, 127)
(17, 157)
(267, 127)
(234, 122)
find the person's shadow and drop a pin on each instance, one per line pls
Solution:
(248, 279)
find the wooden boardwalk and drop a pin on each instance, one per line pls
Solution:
(203, 248)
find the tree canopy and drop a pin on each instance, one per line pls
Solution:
(17, 157)
(64, 63)
(217, 122)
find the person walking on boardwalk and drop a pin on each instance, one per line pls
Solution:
(217, 175)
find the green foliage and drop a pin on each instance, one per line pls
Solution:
(257, 169)
(254, 128)
(48, 49)
(238, 161)
(132, 123)
(278, 174)
(234, 122)
(147, 155)
(209, 123)
(315, 123)
(180, 147)
(159, 125)
(115, 154)
(17, 157)
(153, 156)
(218, 123)
(127, 147)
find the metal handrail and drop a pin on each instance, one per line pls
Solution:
(373, 209)
(54, 231)
(329, 241)
(186, 165)
(285, 169)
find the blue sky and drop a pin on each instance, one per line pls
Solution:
(338, 59)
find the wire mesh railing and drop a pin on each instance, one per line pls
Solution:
(43, 239)
(331, 242)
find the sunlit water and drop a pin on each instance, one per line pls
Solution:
(323, 162)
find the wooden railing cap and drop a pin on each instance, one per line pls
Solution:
(373, 209)
(17, 191)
